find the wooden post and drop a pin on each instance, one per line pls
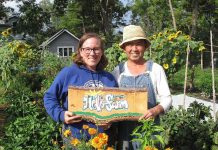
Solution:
(202, 61)
(172, 13)
(186, 73)
(213, 80)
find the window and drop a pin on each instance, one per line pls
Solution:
(65, 51)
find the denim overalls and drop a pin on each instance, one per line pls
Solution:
(125, 128)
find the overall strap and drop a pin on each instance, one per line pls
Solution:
(149, 65)
(118, 70)
(121, 67)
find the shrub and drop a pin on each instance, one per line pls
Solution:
(202, 80)
(190, 129)
(115, 55)
(24, 71)
(169, 49)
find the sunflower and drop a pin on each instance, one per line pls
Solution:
(176, 52)
(201, 48)
(9, 31)
(178, 33)
(187, 37)
(166, 66)
(5, 33)
(171, 37)
(160, 34)
(174, 60)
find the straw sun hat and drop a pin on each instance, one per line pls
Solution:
(133, 32)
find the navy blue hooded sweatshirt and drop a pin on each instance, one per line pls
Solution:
(57, 94)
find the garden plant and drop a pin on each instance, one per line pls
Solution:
(26, 73)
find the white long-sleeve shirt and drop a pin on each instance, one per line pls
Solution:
(160, 84)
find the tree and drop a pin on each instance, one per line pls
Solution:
(100, 16)
(3, 9)
(32, 18)
(59, 7)
(153, 15)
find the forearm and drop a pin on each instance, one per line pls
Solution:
(158, 109)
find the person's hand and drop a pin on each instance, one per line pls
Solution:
(152, 112)
(69, 117)
(105, 126)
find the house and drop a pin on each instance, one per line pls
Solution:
(63, 43)
(9, 22)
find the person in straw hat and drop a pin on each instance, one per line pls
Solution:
(137, 72)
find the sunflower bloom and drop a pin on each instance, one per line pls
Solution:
(67, 133)
(75, 142)
(174, 60)
(176, 52)
(160, 34)
(110, 148)
(178, 33)
(85, 127)
(92, 131)
(187, 37)
(5, 33)
(201, 48)
(166, 32)
(171, 37)
(9, 31)
(166, 66)
(154, 36)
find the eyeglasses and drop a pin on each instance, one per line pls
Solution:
(88, 50)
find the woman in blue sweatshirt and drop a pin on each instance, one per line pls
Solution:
(86, 71)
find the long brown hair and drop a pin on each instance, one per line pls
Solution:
(78, 58)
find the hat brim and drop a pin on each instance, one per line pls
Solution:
(135, 38)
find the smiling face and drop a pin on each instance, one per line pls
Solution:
(91, 53)
(135, 50)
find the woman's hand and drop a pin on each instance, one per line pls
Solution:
(152, 112)
(69, 118)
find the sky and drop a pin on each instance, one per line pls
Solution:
(14, 4)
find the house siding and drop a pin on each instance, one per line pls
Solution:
(63, 40)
